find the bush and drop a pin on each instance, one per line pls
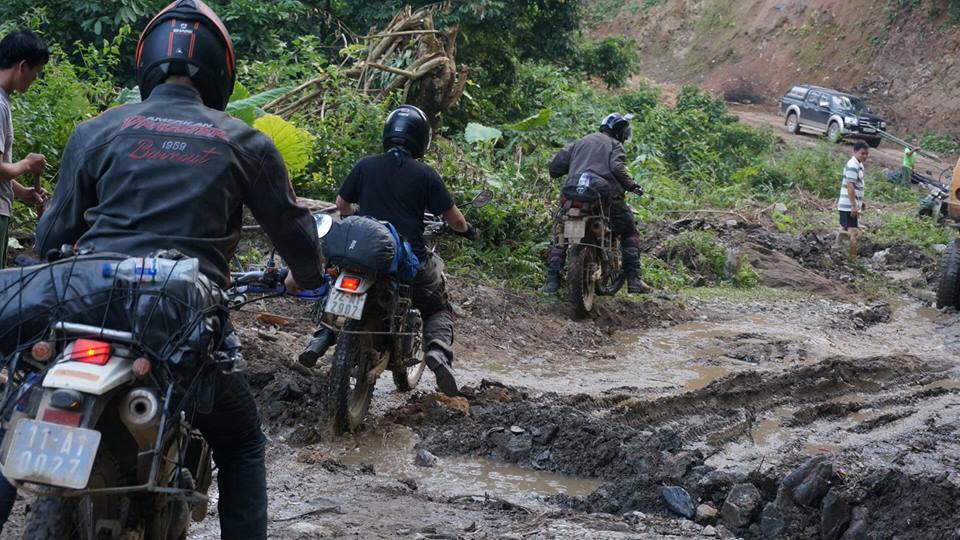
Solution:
(697, 251)
(613, 59)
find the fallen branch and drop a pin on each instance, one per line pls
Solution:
(401, 33)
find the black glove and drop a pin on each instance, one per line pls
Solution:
(471, 233)
(637, 189)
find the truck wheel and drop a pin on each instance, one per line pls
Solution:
(834, 133)
(873, 143)
(948, 288)
(793, 123)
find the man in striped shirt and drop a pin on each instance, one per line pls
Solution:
(851, 201)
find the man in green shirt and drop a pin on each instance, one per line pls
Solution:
(909, 160)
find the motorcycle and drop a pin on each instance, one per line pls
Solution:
(594, 263)
(378, 330)
(98, 414)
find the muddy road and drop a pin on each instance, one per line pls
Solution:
(715, 413)
(781, 413)
(887, 155)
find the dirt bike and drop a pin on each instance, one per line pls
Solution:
(378, 330)
(593, 253)
(99, 417)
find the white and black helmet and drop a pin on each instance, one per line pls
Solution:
(617, 126)
(407, 126)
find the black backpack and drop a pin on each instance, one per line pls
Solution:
(587, 187)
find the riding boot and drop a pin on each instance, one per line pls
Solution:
(631, 269)
(553, 281)
(439, 360)
(554, 268)
(322, 340)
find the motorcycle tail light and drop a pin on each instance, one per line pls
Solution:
(350, 283)
(90, 351)
(41, 351)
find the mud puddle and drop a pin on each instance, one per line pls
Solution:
(391, 450)
(730, 337)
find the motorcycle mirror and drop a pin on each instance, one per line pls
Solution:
(482, 199)
(324, 222)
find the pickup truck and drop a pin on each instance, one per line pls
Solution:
(835, 114)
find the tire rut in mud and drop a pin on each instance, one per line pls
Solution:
(641, 445)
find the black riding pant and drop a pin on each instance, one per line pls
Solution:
(429, 292)
(232, 429)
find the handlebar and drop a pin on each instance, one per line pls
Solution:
(269, 281)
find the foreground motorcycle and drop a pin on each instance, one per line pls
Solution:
(98, 414)
(370, 307)
(593, 263)
(113, 358)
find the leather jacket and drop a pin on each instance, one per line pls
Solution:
(171, 173)
(599, 154)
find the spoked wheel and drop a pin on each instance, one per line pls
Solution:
(948, 289)
(582, 279)
(409, 351)
(80, 518)
(612, 277)
(349, 392)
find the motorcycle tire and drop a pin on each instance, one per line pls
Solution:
(406, 378)
(581, 286)
(57, 518)
(948, 288)
(349, 394)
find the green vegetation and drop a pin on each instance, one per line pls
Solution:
(529, 94)
(898, 227)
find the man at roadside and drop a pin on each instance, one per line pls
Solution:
(851, 203)
(909, 160)
(22, 58)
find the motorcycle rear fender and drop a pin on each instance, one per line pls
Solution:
(91, 378)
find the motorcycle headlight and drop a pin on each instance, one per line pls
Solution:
(850, 120)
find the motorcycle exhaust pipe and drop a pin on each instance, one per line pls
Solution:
(140, 412)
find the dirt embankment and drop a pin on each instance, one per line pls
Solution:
(899, 55)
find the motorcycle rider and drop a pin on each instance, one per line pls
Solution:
(602, 154)
(174, 172)
(396, 187)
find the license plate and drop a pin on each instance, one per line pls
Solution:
(51, 454)
(869, 130)
(574, 230)
(349, 305)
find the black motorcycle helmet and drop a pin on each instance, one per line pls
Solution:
(187, 38)
(617, 126)
(407, 126)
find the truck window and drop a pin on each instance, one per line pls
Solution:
(797, 92)
(813, 98)
(824, 101)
